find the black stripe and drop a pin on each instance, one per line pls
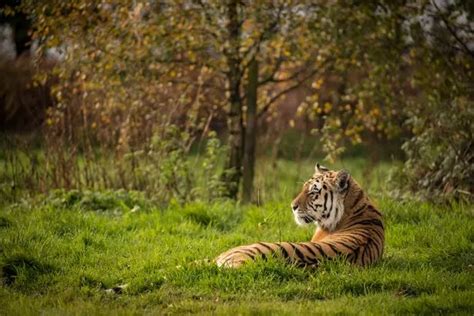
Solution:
(361, 234)
(266, 246)
(357, 253)
(367, 255)
(334, 248)
(325, 201)
(376, 241)
(298, 252)
(320, 250)
(379, 234)
(350, 258)
(370, 252)
(359, 210)
(253, 249)
(376, 211)
(225, 261)
(283, 250)
(376, 252)
(228, 259)
(353, 231)
(247, 252)
(332, 200)
(353, 247)
(373, 221)
(310, 250)
(350, 239)
(363, 255)
(316, 255)
(357, 199)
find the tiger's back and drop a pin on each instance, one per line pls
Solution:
(349, 226)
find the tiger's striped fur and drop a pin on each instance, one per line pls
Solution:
(348, 225)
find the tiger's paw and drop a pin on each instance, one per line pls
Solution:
(231, 260)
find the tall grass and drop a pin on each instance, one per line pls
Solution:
(164, 168)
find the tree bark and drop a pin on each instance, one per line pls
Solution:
(233, 168)
(250, 131)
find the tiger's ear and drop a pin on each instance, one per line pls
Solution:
(320, 169)
(342, 180)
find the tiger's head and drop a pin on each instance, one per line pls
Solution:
(321, 200)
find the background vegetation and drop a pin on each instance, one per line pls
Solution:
(139, 138)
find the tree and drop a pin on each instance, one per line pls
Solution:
(412, 71)
(19, 23)
(170, 58)
(269, 34)
(250, 131)
(235, 117)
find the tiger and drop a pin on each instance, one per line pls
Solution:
(348, 226)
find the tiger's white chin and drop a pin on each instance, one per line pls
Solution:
(300, 221)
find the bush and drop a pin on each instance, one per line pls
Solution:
(440, 154)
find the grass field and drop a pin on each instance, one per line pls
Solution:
(120, 253)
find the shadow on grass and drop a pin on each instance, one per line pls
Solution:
(222, 222)
(5, 222)
(22, 270)
(398, 288)
(454, 260)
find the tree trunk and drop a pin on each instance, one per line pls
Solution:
(250, 131)
(233, 170)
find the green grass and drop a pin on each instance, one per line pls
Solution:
(64, 253)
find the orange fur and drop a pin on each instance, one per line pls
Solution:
(320, 234)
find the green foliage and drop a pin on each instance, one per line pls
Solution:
(440, 160)
(113, 201)
(165, 168)
(405, 70)
(168, 171)
(211, 187)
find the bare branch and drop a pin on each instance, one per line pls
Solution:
(266, 107)
(271, 79)
(274, 71)
(204, 84)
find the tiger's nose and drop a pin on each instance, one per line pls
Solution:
(294, 207)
